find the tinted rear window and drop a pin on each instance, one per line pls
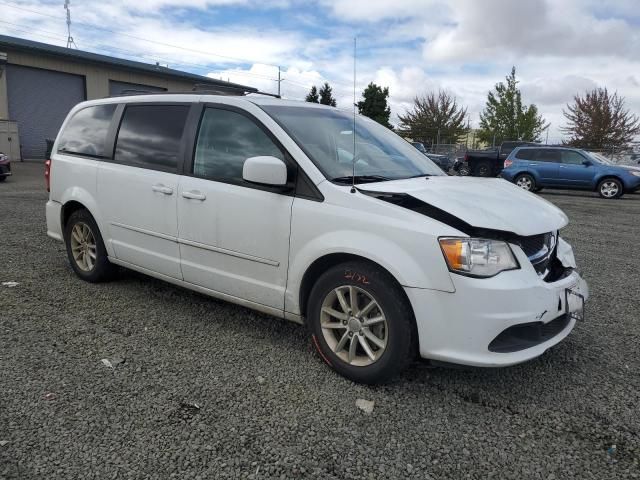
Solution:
(150, 136)
(548, 155)
(526, 154)
(86, 132)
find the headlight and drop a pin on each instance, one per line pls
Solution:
(478, 257)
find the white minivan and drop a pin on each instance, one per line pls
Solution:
(306, 213)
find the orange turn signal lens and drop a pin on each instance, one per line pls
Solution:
(453, 250)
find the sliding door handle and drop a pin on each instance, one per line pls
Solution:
(194, 195)
(162, 189)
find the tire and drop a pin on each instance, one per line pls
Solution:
(82, 237)
(395, 342)
(3, 178)
(483, 169)
(464, 171)
(610, 188)
(525, 182)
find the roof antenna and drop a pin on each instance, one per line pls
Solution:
(353, 162)
(70, 41)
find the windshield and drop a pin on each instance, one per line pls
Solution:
(326, 136)
(599, 158)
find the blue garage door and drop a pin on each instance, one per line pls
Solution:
(39, 101)
(120, 88)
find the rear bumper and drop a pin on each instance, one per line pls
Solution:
(468, 326)
(53, 211)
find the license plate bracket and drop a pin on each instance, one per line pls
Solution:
(574, 305)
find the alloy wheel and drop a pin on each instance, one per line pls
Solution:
(609, 189)
(525, 183)
(354, 326)
(83, 246)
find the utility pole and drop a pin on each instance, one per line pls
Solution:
(70, 41)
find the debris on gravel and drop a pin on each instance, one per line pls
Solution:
(365, 405)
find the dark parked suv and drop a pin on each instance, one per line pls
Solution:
(534, 168)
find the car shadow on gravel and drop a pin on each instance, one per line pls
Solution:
(464, 381)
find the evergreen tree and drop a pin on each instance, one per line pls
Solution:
(434, 118)
(375, 104)
(599, 120)
(505, 118)
(326, 96)
(312, 96)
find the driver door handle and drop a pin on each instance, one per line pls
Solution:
(194, 195)
(162, 189)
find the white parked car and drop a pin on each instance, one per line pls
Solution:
(250, 199)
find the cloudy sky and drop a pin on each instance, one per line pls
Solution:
(559, 47)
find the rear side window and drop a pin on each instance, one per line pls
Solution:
(548, 155)
(572, 158)
(150, 136)
(86, 132)
(225, 140)
(526, 154)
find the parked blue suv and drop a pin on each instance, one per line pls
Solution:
(534, 168)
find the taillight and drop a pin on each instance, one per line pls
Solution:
(508, 163)
(47, 174)
(466, 157)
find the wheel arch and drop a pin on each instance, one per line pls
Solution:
(608, 176)
(75, 199)
(67, 210)
(325, 262)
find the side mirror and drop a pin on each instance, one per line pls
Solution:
(265, 171)
(587, 163)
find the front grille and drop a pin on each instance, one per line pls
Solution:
(540, 249)
(527, 335)
(533, 244)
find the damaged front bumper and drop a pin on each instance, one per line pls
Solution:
(499, 321)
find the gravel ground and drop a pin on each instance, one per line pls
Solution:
(211, 390)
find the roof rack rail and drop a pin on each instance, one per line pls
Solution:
(198, 88)
(229, 90)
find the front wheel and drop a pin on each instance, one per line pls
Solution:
(464, 170)
(361, 322)
(85, 248)
(610, 188)
(526, 182)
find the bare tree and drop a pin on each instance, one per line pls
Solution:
(434, 117)
(599, 120)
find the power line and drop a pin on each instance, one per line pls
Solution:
(244, 60)
(236, 72)
(150, 57)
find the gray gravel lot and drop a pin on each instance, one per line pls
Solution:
(268, 407)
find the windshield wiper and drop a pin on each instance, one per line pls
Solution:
(419, 175)
(360, 179)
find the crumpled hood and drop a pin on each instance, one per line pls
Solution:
(490, 203)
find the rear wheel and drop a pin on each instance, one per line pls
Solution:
(483, 169)
(361, 323)
(526, 182)
(85, 248)
(610, 188)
